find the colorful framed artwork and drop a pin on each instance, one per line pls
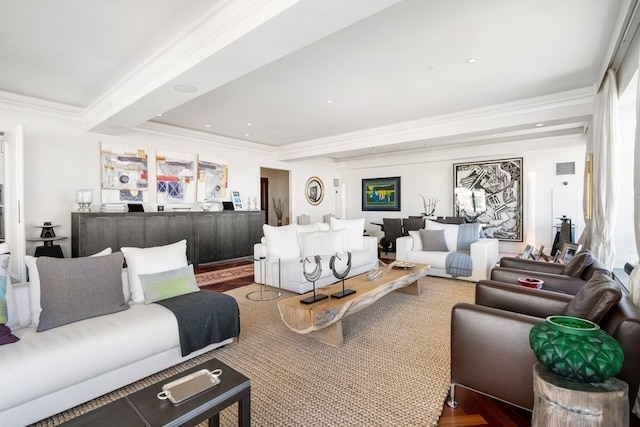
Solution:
(213, 174)
(490, 192)
(175, 177)
(381, 194)
(124, 174)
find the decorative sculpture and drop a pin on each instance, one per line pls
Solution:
(341, 276)
(312, 277)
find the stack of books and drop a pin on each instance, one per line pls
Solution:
(113, 207)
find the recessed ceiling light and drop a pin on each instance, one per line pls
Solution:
(185, 88)
(159, 114)
(246, 134)
(207, 126)
(472, 60)
(539, 125)
(248, 124)
(329, 101)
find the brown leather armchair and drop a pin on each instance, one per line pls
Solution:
(490, 350)
(552, 273)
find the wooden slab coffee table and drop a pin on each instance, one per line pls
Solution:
(323, 320)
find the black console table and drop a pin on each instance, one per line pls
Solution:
(211, 236)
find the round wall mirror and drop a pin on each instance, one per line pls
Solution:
(314, 190)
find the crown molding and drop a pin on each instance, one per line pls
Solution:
(203, 137)
(509, 146)
(29, 104)
(556, 107)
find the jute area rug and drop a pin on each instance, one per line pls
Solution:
(393, 369)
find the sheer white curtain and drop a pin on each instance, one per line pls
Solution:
(634, 281)
(603, 144)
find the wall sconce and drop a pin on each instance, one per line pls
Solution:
(84, 198)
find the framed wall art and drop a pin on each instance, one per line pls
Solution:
(381, 194)
(314, 190)
(490, 192)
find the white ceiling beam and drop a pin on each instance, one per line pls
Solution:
(235, 38)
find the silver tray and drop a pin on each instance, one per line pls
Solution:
(190, 385)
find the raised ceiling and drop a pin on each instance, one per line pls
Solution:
(332, 78)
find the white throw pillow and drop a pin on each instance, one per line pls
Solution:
(417, 240)
(34, 286)
(282, 242)
(323, 243)
(450, 232)
(152, 260)
(34, 289)
(354, 231)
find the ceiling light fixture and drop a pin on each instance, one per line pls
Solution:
(248, 124)
(207, 126)
(472, 60)
(159, 114)
(246, 134)
(329, 101)
(539, 125)
(185, 88)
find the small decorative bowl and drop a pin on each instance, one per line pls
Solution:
(531, 282)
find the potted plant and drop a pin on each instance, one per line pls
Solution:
(280, 206)
(429, 206)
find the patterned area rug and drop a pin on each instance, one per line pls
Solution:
(218, 276)
(393, 369)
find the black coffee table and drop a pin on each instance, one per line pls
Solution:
(143, 408)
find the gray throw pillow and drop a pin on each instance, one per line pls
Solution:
(598, 295)
(433, 241)
(79, 288)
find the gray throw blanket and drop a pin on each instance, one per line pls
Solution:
(459, 263)
(204, 318)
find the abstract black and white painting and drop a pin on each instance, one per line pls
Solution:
(490, 192)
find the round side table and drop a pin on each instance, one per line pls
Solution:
(263, 294)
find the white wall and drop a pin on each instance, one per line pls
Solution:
(61, 157)
(432, 175)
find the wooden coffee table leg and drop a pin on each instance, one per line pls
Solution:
(331, 335)
(413, 289)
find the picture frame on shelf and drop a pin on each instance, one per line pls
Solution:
(568, 251)
(237, 200)
(381, 194)
(527, 252)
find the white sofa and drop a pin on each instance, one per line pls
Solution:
(47, 372)
(484, 252)
(278, 257)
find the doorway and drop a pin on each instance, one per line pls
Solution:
(274, 185)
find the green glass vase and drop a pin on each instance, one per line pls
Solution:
(576, 349)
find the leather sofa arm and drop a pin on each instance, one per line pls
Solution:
(520, 299)
(531, 265)
(490, 352)
(552, 282)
